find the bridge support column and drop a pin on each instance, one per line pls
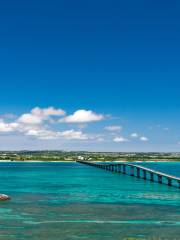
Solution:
(159, 179)
(169, 182)
(144, 174)
(124, 169)
(132, 171)
(138, 172)
(151, 177)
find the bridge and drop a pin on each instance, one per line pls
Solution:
(137, 171)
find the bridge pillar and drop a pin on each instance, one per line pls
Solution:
(159, 179)
(151, 177)
(132, 171)
(124, 169)
(119, 167)
(138, 172)
(144, 174)
(169, 182)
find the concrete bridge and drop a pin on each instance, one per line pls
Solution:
(138, 171)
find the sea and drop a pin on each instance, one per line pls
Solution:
(72, 201)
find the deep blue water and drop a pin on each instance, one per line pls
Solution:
(74, 201)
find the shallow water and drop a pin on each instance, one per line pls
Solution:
(74, 201)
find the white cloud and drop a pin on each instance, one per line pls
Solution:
(82, 116)
(46, 112)
(37, 123)
(47, 134)
(72, 134)
(38, 115)
(113, 128)
(120, 139)
(134, 135)
(29, 118)
(7, 127)
(179, 142)
(144, 139)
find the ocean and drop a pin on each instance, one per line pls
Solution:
(68, 201)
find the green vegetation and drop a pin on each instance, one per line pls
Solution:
(90, 156)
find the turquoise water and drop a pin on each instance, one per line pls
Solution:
(74, 201)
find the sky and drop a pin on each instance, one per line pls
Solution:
(90, 75)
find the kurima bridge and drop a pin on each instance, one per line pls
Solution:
(138, 171)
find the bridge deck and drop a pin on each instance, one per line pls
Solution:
(153, 171)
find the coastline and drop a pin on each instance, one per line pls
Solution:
(121, 161)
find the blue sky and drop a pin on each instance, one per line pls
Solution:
(111, 67)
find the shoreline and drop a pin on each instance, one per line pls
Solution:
(123, 161)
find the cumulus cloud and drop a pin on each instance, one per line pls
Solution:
(144, 139)
(48, 134)
(82, 116)
(113, 128)
(134, 135)
(7, 127)
(34, 124)
(120, 139)
(29, 118)
(46, 112)
(72, 134)
(38, 115)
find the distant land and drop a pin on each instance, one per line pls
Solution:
(83, 155)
